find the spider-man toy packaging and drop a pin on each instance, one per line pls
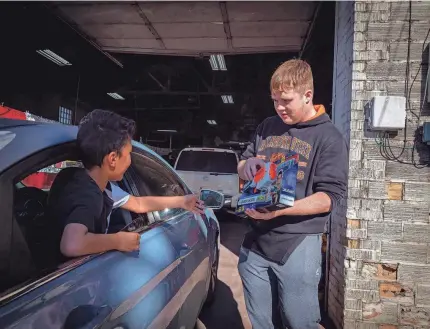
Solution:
(273, 187)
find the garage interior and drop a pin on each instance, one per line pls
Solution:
(188, 73)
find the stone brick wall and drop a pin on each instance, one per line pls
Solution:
(380, 256)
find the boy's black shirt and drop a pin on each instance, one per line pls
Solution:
(79, 201)
(323, 167)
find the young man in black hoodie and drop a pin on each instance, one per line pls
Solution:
(280, 259)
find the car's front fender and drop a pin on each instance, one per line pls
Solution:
(213, 222)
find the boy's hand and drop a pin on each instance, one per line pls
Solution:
(127, 241)
(193, 203)
(251, 167)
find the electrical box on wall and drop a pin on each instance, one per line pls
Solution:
(387, 113)
(426, 133)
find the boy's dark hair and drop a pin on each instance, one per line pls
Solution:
(100, 133)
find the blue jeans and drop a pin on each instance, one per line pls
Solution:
(283, 296)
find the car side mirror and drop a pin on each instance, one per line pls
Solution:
(212, 199)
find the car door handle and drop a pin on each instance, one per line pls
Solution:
(87, 317)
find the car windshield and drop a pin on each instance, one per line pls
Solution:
(218, 162)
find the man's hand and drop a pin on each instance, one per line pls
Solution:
(127, 241)
(261, 214)
(251, 167)
(193, 203)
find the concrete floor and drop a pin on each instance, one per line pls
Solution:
(228, 310)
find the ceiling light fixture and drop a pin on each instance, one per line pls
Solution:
(53, 57)
(167, 130)
(116, 96)
(217, 62)
(212, 122)
(227, 99)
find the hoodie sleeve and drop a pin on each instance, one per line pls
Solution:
(251, 150)
(331, 174)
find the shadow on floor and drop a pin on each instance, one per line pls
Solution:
(326, 321)
(223, 313)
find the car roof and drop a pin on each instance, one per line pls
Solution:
(29, 137)
(20, 139)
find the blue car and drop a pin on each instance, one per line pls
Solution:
(164, 285)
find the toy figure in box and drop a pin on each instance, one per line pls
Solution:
(273, 186)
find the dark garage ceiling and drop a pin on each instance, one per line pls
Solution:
(193, 28)
(161, 92)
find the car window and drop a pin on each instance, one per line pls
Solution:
(43, 178)
(219, 162)
(32, 225)
(156, 179)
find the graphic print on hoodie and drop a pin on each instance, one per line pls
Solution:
(323, 167)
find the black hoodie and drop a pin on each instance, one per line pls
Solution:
(323, 167)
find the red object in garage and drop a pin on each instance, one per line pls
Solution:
(10, 113)
(40, 180)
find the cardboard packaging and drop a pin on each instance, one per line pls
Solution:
(273, 187)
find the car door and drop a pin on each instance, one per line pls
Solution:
(109, 290)
(191, 235)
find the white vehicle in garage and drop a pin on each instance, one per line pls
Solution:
(210, 168)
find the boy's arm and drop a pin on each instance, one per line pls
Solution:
(77, 241)
(156, 203)
(146, 204)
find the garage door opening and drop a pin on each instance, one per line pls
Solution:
(189, 73)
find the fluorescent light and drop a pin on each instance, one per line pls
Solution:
(167, 130)
(53, 57)
(227, 99)
(217, 62)
(221, 62)
(212, 122)
(116, 96)
(213, 62)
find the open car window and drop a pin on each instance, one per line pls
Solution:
(155, 179)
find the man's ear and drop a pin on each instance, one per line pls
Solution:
(308, 96)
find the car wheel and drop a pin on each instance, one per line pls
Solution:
(213, 280)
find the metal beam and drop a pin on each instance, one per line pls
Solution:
(208, 87)
(177, 93)
(310, 29)
(175, 108)
(158, 82)
(52, 8)
(149, 25)
(226, 23)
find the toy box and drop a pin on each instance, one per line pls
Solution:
(273, 187)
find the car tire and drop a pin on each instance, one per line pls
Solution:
(213, 280)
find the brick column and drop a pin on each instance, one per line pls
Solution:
(380, 255)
